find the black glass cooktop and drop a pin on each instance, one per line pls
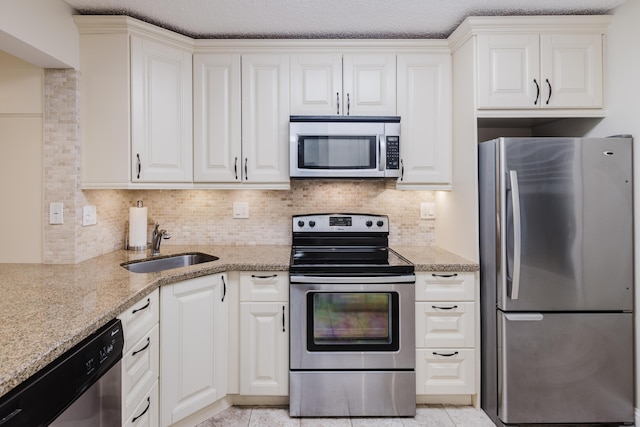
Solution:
(345, 259)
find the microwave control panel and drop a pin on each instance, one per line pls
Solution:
(393, 152)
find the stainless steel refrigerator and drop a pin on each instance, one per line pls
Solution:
(556, 269)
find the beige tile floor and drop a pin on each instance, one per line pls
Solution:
(426, 415)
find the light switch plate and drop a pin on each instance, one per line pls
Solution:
(56, 215)
(240, 210)
(89, 215)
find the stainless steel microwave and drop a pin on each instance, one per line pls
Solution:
(344, 147)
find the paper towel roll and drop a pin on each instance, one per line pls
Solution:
(138, 229)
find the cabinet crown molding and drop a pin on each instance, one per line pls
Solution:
(556, 24)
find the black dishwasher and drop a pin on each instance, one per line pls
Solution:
(79, 388)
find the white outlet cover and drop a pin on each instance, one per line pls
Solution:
(427, 210)
(89, 216)
(241, 210)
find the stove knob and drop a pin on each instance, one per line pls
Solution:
(369, 223)
(380, 223)
(312, 224)
(300, 223)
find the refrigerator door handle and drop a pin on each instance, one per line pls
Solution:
(517, 234)
(524, 317)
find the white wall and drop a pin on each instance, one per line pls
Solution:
(40, 32)
(21, 165)
(623, 105)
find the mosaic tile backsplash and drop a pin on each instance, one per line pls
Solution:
(206, 216)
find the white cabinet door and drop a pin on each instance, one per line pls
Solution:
(369, 86)
(335, 84)
(509, 71)
(571, 70)
(217, 118)
(161, 112)
(193, 346)
(535, 71)
(265, 118)
(316, 84)
(264, 348)
(424, 103)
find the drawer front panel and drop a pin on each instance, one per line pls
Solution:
(139, 318)
(445, 371)
(140, 368)
(264, 286)
(445, 286)
(445, 324)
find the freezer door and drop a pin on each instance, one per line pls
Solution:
(565, 368)
(566, 211)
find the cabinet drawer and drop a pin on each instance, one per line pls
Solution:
(445, 286)
(146, 413)
(139, 318)
(264, 286)
(445, 324)
(445, 371)
(140, 367)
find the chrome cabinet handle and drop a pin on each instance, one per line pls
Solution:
(517, 234)
(224, 288)
(235, 168)
(537, 92)
(548, 84)
(283, 319)
(143, 412)
(348, 105)
(444, 275)
(139, 165)
(246, 175)
(143, 348)
(435, 307)
(338, 103)
(435, 353)
(135, 310)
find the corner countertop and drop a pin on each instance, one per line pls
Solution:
(46, 309)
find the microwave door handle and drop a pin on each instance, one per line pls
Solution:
(382, 153)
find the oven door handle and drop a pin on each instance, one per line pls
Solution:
(329, 280)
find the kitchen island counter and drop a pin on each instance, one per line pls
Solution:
(47, 309)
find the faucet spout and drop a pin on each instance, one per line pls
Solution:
(156, 239)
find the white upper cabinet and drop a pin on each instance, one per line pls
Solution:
(217, 132)
(136, 107)
(359, 84)
(532, 71)
(241, 117)
(424, 105)
(161, 124)
(265, 118)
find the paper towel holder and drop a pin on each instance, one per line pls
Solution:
(139, 247)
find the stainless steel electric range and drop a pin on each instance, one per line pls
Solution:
(352, 299)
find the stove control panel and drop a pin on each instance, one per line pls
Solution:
(331, 223)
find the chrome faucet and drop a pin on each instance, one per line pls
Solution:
(156, 239)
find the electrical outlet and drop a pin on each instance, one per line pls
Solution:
(89, 215)
(240, 210)
(56, 215)
(427, 210)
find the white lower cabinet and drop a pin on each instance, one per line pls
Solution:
(140, 362)
(445, 333)
(193, 346)
(264, 338)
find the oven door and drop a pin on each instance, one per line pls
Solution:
(339, 324)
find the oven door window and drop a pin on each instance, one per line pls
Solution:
(353, 321)
(337, 152)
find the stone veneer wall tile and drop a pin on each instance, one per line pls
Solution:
(61, 162)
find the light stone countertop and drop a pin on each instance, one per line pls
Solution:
(47, 309)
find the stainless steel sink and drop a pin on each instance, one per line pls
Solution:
(154, 265)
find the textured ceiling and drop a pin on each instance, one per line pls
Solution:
(327, 18)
